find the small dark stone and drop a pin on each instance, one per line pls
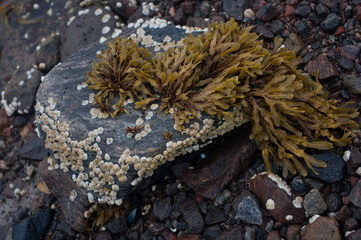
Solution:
(180, 17)
(299, 186)
(314, 203)
(355, 195)
(315, 19)
(33, 227)
(331, 23)
(267, 12)
(356, 212)
(302, 29)
(277, 27)
(350, 224)
(248, 209)
(233, 234)
(269, 226)
(223, 197)
(262, 29)
(235, 8)
(162, 208)
(117, 225)
(343, 214)
(345, 94)
(334, 171)
(345, 63)
(180, 226)
(212, 232)
(205, 9)
(334, 202)
(147, 235)
(214, 216)
(203, 206)
(103, 235)
(350, 52)
(187, 7)
(259, 234)
(322, 10)
(192, 217)
(302, 11)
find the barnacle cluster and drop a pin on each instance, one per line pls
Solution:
(218, 72)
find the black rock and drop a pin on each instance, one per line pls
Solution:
(355, 194)
(302, 29)
(322, 10)
(315, 19)
(33, 149)
(263, 30)
(212, 232)
(277, 27)
(249, 210)
(33, 227)
(267, 12)
(147, 235)
(334, 202)
(180, 226)
(19, 214)
(345, 63)
(302, 11)
(334, 171)
(162, 208)
(117, 225)
(203, 206)
(356, 212)
(299, 186)
(331, 23)
(180, 17)
(205, 9)
(214, 216)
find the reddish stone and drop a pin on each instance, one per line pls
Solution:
(234, 234)
(190, 237)
(267, 12)
(289, 10)
(323, 65)
(192, 216)
(353, 180)
(222, 165)
(61, 185)
(274, 235)
(343, 214)
(6, 132)
(340, 30)
(324, 228)
(345, 200)
(350, 224)
(167, 235)
(292, 231)
(350, 52)
(187, 7)
(265, 188)
(104, 235)
(125, 11)
(4, 119)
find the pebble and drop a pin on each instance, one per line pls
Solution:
(293, 42)
(292, 231)
(232, 234)
(162, 208)
(334, 171)
(353, 83)
(267, 13)
(205, 9)
(343, 214)
(192, 217)
(331, 23)
(214, 216)
(350, 52)
(299, 186)
(322, 10)
(314, 203)
(334, 202)
(212, 232)
(350, 224)
(355, 194)
(302, 29)
(345, 63)
(323, 228)
(277, 27)
(234, 8)
(302, 11)
(223, 197)
(248, 209)
(273, 235)
(248, 13)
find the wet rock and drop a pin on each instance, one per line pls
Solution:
(205, 9)
(355, 195)
(325, 67)
(350, 52)
(264, 31)
(33, 149)
(223, 197)
(350, 224)
(314, 203)
(267, 12)
(322, 10)
(222, 166)
(345, 63)
(314, 18)
(343, 214)
(293, 231)
(302, 11)
(235, 8)
(299, 186)
(248, 210)
(353, 84)
(277, 27)
(61, 185)
(302, 29)
(334, 171)
(162, 208)
(293, 42)
(33, 227)
(283, 205)
(334, 202)
(324, 228)
(192, 217)
(49, 53)
(273, 235)
(233, 234)
(19, 93)
(331, 23)
(215, 215)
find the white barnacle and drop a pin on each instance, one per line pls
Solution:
(154, 106)
(109, 141)
(139, 121)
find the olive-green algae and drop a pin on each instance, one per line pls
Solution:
(224, 69)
